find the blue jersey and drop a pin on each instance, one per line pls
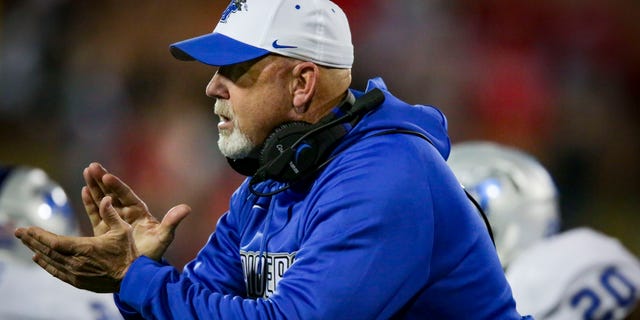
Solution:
(383, 231)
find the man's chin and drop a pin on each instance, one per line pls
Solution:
(235, 148)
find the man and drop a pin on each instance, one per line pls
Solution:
(28, 196)
(576, 274)
(349, 210)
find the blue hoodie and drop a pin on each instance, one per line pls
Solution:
(384, 231)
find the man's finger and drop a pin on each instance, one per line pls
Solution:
(90, 207)
(29, 237)
(47, 243)
(92, 174)
(99, 190)
(120, 190)
(55, 269)
(51, 260)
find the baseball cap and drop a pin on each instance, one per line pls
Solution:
(309, 30)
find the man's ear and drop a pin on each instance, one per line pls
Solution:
(305, 76)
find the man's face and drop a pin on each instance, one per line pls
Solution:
(252, 98)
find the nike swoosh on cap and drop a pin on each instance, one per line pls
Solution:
(279, 46)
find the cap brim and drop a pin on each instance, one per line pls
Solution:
(215, 49)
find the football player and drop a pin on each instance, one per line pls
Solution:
(576, 274)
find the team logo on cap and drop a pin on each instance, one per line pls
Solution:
(276, 45)
(234, 6)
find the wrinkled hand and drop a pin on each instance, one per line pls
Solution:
(152, 237)
(123, 229)
(93, 263)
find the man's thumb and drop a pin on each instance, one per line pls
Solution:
(108, 213)
(174, 216)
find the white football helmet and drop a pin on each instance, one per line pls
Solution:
(28, 197)
(515, 191)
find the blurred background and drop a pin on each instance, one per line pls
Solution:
(84, 81)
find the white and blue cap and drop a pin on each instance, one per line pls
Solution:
(309, 30)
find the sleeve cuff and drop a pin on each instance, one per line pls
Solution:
(136, 284)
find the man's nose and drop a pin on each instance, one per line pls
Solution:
(216, 88)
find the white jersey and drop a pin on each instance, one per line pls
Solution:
(577, 274)
(28, 292)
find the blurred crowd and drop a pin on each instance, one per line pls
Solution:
(84, 81)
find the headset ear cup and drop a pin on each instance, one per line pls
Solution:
(280, 159)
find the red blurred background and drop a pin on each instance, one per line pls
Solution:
(84, 81)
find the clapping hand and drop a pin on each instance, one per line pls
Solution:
(123, 228)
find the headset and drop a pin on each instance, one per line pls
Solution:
(295, 150)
